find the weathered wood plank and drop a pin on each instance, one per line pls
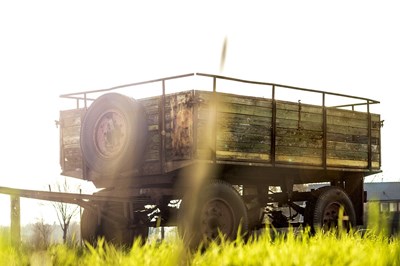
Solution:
(70, 141)
(353, 138)
(244, 119)
(72, 158)
(351, 155)
(312, 135)
(348, 155)
(348, 146)
(244, 109)
(302, 125)
(294, 115)
(376, 118)
(243, 128)
(152, 109)
(72, 121)
(152, 155)
(71, 132)
(350, 163)
(244, 147)
(153, 148)
(153, 119)
(72, 113)
(148, 102)
(305, 108)
(244, 138)
(74, 153)
(346, 122)
(298, 151)
(346, 114)
(233, 155)
(300, 160)
(299, 142)
(347, 130)
(203, 112)
(70, 152)
(236, 99)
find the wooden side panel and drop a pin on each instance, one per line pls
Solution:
(299, 134)
(178, 135)
(70, 151)
(243, 127)
(179, 126)
(152, 163)
(237, 128)
(347, 139)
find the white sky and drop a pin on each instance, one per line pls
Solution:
(48, 48)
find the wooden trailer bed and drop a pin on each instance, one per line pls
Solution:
(225, 128)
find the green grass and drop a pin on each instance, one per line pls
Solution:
(288, 249)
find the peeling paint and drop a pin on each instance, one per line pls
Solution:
(182, 126)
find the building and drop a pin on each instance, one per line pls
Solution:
(385, 196)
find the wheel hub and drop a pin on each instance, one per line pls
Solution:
(331, 216)
(110, 134)
(217, 216)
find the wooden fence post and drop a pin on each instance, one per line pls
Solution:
(15, 220)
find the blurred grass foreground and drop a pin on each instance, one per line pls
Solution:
(367, 248)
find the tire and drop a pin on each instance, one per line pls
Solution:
(115, 232)
(113, 134)
(89, 226)
(121, 234)
(323, 212)
(217, 208)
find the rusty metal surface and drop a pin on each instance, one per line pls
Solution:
(181, 125)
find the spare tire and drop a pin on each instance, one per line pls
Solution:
(113, 134)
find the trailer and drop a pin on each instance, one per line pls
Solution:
(211, 162)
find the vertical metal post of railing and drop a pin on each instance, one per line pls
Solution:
(273, 127)
(80, 218)
(214, 129)
(162, 130)
(369, 137)
(324, 132)
(379, 142)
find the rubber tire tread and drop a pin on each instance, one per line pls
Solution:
(89, 227)
(188, 214)
(324, 196)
